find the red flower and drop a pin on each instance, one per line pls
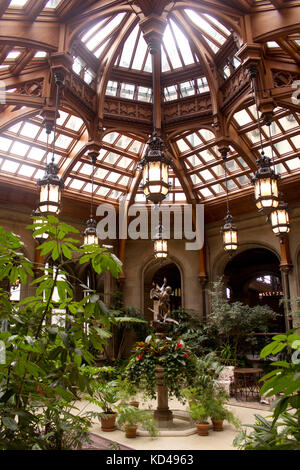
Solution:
(186, 355)
(139, 356)
(178, 345)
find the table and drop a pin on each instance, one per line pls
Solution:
(246, 382)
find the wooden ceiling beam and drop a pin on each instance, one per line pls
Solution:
(289, 49)
(39, 35)
(22, 62)
(33, 9)
(4, 5)
(277, 3)
(3, 53)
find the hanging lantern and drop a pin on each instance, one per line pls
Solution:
(230, 235)
(90, 233)
(51, 187)
(280, 220)
(265, 185)
(155, 166)
(160, 244)
(38, 224)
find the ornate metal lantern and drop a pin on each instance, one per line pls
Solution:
(230, 235)
(280, 220)
(160, 244)
(51, 187)
(155, 166)
(265, 185)
(90, 233)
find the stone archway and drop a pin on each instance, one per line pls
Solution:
(253, 277)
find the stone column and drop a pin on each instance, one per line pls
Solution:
(162, 414)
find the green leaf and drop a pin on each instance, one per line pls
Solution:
(9, 423)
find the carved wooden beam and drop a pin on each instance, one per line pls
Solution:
(33, 8)
(40, 35)
(3, 6)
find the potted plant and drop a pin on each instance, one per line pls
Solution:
(128, 392)
(106, 395)
(218, 412)
(200, 415)
(130, 417)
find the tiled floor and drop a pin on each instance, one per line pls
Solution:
(214, 441)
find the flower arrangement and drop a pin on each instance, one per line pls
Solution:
(174, 356)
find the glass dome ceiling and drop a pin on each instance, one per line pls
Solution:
(198, 58)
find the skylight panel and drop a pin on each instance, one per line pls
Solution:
(36, 154)
(76, 184)
(102, 191)
(26, 170)
(205, 26)
(242, 118)
(183, 45)
(40, 54)
(104, 32)
(182, 145)
(194, 140)
(128, 48)
(124, 162)
(5, 144)
(18, 3)
(123, 141)
(113, 177)
(88, 188)
(170, 46)
(74, 123)
(29, 130)
(164, 62)
(52, 4)
(91, 31)
(296, 141)
(9, 166)
(19, 149)
(293, 164)
(63, 141)
(218, 24)
(205, 192)
(13, 55)
(111, 137)
(140, 54)
(86, 169)
(101, 173)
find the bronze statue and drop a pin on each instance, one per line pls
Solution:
(162, 294)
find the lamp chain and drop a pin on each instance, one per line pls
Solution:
(224, 155)
(58, 85)
(253, 76)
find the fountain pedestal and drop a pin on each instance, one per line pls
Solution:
(162, 414)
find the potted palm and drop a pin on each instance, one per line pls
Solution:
(106, 395)
(200, 415)
(130, 417)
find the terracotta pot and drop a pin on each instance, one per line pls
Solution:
(130, 430)
(217, 424)
(134, 403)
(202, 429)
(108, 423)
